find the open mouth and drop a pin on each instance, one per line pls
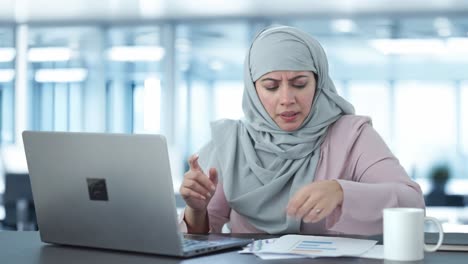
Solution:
(289, 115)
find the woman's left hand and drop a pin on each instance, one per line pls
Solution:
(315, 201)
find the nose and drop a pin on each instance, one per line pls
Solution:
(287, 95)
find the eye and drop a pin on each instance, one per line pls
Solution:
(299, 85)
(271, 88)
(271, 85)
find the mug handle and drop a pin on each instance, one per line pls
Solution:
(441, 234)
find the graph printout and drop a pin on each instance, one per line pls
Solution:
(319, 246)
(313, 247)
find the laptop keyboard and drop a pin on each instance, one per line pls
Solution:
(190, 244)
(200, 244)
(204, 243)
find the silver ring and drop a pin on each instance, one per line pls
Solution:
(318, 211)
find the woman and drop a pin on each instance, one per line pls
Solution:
(300, 161)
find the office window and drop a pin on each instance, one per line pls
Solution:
(64, 67)
(211, 78)
(134, 82)
(146, 107)
(464, 120)
(372, 99)
(75, 105)
(201, 114)
(228, 100)
(43, 96)
(425, 125)
(6, 112)
(7, 78)
(340, 89)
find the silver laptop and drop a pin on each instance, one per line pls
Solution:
(111, 191)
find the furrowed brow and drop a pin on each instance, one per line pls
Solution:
(270, 79)
(298, 77)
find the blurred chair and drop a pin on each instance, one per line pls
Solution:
(18, 202)
(438, 197)
(17, 196)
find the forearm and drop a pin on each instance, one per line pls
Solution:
(197, 221)
(361, 211)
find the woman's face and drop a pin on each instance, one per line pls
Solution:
(287, 96)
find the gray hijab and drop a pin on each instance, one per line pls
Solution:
(261, 165)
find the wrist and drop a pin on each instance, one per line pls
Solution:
(340, 192)
(195, 212)
(196, 220)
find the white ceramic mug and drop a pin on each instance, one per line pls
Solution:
(404, 234)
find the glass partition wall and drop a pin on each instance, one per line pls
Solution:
(134, 84)
(63, 71)
(7, 78)
(95, 78)
(210, 59)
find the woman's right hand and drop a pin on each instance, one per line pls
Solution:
(197, 188)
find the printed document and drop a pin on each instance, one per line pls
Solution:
(318, 246)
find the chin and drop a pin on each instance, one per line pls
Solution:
(289, 127)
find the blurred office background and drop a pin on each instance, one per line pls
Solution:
(172, 66)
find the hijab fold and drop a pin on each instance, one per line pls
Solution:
(263, 166)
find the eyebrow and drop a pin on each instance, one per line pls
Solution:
(277, 80)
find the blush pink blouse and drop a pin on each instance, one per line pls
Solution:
(371, 177)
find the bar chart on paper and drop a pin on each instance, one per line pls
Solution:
(313, 247)
(318, 246)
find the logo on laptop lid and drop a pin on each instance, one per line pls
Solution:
(97, 189)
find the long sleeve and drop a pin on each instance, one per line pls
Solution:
(218, 212)
(371, 178)
(218, 208)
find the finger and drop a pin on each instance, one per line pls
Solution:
(316, 214)
(193, 162)
(213, 175)
(306, 207)
(296, 201)
(205, 181)
(190, 194)
(319, 212)
(195, 185)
